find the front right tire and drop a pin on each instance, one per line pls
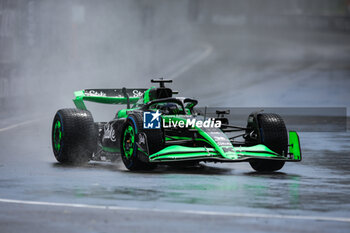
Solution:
(273, 134)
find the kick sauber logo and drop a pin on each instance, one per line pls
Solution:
(151, 120)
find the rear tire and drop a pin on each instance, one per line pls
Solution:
(128, 146)
(273, 134)
(74, 136)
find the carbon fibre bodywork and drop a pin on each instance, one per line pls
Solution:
(193, 143)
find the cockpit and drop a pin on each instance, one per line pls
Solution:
(162, 99)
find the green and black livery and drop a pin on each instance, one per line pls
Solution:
(264, 142)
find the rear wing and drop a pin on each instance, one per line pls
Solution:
(108, 96)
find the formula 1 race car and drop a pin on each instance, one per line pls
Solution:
(162, 129)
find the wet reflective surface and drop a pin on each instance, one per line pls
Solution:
(319, 186)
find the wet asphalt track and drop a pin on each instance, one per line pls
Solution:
(39, 195)
(310, 196)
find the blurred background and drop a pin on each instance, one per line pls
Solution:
(289, 56)
(234, 53)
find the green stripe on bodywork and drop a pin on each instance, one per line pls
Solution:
(175, 138)
(123, 113)
(146, 97)
(170, 138)
(206, 136)
(216, 146)
(176, 152)
(294, 145)
(110, 149)
(257, 150)
(184, 156)
(79, 100)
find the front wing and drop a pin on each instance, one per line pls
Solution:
(177, 153)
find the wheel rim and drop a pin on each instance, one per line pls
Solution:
(57, 136)
(129, 141)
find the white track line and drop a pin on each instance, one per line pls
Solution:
(192, 212)
(20, 124)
